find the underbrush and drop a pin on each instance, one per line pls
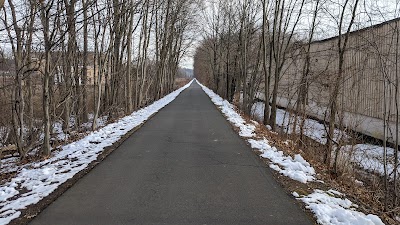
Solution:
(356, 172)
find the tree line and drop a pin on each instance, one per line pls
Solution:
(75, 61)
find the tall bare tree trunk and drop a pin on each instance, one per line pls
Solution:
(45, 19)
(84, 113)
(304, 81)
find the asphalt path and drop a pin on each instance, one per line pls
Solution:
(186, 165)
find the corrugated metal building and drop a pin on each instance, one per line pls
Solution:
(371, 71)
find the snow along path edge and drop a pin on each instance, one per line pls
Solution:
(40, 179)
(327, 208)
(295, 168)
(333, 208)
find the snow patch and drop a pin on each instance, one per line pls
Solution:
(296, 168)
(312, 128)
(370, 157)
(332, 210)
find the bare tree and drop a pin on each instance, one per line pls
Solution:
(341, 49)
(45, 16)
(300, 107)
(286, 20)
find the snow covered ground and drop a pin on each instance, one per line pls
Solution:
(370, 157)
(328, 208)
(60, 135)
(34, 181)
(56, 129)
(331, 208)
(312, 129)
(296, 168)
(367, 156)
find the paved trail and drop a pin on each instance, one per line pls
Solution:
(184, 166)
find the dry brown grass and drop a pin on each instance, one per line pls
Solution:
(56, 113)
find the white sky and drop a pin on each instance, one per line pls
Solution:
(187, 62)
